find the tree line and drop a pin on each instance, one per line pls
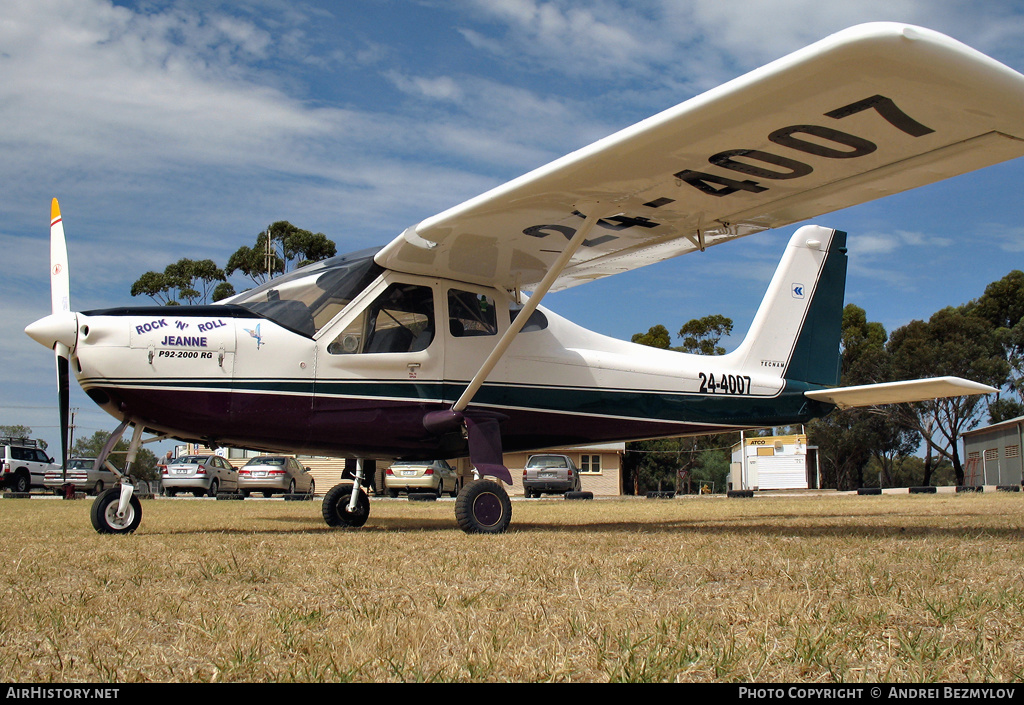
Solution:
(982, 340)
(192, 282)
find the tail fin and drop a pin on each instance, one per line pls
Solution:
(797, 329)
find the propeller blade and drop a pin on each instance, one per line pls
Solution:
(59, 330)
(60, 283)
(64, 400)
(60, 302)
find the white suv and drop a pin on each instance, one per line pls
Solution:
(24, 464)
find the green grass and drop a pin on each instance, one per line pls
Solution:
(837, 588)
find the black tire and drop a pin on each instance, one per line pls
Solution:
(214, 486)
(455, 491)
(98, 489)
(291, 487)
(104, 513)
(171, 493)
(22, 482)
(393, 494)
(335, 507)
(268, 494)
(312, 488)
(483, 507)
(579, 495)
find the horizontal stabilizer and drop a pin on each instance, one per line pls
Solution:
(899, 392)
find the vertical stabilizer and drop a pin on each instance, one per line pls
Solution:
(797, 329)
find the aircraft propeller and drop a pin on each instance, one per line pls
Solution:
(59, 330)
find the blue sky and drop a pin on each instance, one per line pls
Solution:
(171, 129)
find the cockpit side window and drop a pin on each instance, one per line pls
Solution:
(536, 321)
(471, 314)
(400, 320)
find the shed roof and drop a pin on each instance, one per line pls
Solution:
(994, 427)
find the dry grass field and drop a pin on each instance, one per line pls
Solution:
(911, 588)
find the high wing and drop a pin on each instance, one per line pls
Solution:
(870, 111)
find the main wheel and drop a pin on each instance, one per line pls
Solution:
(483, 507)
(336, 511)
(104, 513)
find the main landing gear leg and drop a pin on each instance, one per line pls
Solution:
(118, 510)
(347, 505)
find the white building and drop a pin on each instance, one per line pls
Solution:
(774, 463)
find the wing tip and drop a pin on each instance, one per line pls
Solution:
(54, 210)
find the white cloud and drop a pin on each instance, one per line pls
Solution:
(1008, 238)
(438, 88)
(107, 86)
(696, 44)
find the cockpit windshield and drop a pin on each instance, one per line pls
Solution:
(305, 300)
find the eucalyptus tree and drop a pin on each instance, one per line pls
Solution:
(185, 281)
(954, 341)
(653, 462)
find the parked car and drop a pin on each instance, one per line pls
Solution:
(550, 474)
(23, 464)
(82, 476)
(199, 474)
(435, 476)
(272, 474)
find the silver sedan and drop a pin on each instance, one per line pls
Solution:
(199, 474)
(272, 474)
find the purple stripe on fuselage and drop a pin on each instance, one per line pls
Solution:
(343, 427)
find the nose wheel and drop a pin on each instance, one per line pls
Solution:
(106, 518)
(118, 510)
(483, 507)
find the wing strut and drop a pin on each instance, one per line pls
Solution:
(483, 427)
(531, 305)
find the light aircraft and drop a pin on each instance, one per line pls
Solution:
(430, 347)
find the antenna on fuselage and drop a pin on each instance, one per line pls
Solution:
(268, 257)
